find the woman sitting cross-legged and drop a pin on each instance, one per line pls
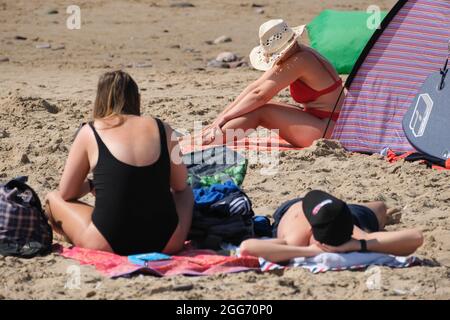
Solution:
(142, 201)
(321, 223)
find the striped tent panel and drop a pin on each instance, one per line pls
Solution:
(412, 46)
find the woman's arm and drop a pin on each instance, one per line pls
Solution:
(73, 184)
(246, 91)
(263, 90)
(276, 250)
(178, 170)
(401, 243)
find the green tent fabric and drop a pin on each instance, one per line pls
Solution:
(340, 36)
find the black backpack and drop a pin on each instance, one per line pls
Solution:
(228, 220)
(24, 228)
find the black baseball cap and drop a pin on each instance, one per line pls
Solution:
(330, 218)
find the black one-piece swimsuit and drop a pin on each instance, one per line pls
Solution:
(134, 208)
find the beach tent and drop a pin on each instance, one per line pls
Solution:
(412, 43)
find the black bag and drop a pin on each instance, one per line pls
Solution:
(228, 220)
(428, 160)
(24, 228)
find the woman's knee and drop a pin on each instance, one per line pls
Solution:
(246, 247)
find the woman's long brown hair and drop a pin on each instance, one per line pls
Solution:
(117, 94)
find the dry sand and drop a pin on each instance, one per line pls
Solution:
(45, 94)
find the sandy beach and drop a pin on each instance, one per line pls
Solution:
(46, 93)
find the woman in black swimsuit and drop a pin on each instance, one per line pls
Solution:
(142, 201)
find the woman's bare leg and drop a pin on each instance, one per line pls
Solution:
(74, 219)
(295, 126)
(184, 202)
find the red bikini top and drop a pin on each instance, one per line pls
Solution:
(302, 93)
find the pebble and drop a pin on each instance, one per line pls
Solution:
(24, 159)
(20, 38)
(256, 5)
(217, 64)
(52, 11)
(90, 294)
(175, 46)
(142, 65)
(43, 46)
(399, 292)
(4, 134)
(60, 47)
(4, 59)
(183, 287)
(237, 64)
(190, 50)
(226, 57)
(50, 107)
(222, 39)
(182, 5)
(259, 11)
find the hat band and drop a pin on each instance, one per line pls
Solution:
(280, 48)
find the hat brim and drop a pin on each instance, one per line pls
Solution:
(258, 60)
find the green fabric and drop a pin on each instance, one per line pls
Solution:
(235, 173)
(215, 165)
(340, 36)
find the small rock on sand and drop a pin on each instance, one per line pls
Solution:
(222, 39)
(90, 294)
(226, 57)
(237, 64)
(20, 38)
(183, 287)
(49, 106)
(60, 47)
(182, 5)
(4, 59)
(259, 10)
(142, 65)
(52, 11)
(24, 159)
(256, 5)
(217, 64)
(43, 46)
(4, 134)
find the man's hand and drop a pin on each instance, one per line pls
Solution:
(349, 246)
(315, 249)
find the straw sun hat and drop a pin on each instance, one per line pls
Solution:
(276, 38)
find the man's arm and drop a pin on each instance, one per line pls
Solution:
(276, 250)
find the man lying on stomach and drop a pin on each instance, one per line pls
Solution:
(322, 223)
